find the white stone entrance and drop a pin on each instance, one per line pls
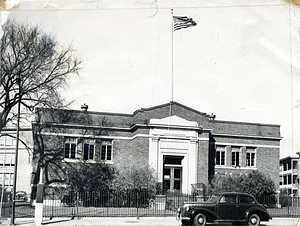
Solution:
(173, 152)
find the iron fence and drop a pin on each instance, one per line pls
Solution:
(133, 204)
(281, 205)
(112, 204)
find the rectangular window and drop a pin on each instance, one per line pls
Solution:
(9, 159)
(294, 179)
(235, 156)
(8, 141)
(8, 179)
(88, 151)
(220, 155)
(295, 164)
(289, 179)
(106, 150)
(250, 157)
(2, 141)
(2, 159)
(284, 179)
(70, 148)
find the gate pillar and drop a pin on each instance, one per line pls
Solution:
(38, 218)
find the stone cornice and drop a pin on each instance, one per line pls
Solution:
(246, 136)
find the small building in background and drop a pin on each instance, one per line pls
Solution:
(289, 175)
(7, 159)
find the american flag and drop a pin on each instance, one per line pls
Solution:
(183, 22)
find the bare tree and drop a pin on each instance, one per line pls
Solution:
(33, 67)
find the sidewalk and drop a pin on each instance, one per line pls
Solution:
(143, 221)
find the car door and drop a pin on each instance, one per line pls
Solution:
(245, 202)
(227, 207)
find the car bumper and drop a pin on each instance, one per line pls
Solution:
(181, 218)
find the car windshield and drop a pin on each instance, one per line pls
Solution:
(213, 198)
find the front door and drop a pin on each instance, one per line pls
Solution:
(172, 173)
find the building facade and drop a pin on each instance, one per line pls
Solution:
(289, 175)
(184, 146)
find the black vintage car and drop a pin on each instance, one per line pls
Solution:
(231, 207)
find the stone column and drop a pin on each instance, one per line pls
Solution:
(192, 165)
(154, 156)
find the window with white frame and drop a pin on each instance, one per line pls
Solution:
(7, 179)
(2, 159)
(70, 148)
(7, 159)
(2, 141)
(88, 151)
(106, 150)
(250, 157)
(295, 164)
(220, 155)
(235, 156)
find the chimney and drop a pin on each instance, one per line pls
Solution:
(212, 117)
(84, 107)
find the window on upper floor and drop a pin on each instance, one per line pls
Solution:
(7, 159)
(70, 148)
(250, 157)
(7, 141)
(220, 155)
(289, 178)
(295, 164)
(88, 151)
(285, 179)
(284, 167)
(280, 180)
(106, 150)
(235, 156)
(2, 141)
(295, 179)
(280, 167)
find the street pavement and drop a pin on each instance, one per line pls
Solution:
(133, 221)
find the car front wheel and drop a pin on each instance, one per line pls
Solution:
(200, 220)
(254, 220)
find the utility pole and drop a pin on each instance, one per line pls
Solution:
(298, 176)
(13, 214)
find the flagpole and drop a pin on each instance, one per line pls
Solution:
(172, 64)
(172, 81)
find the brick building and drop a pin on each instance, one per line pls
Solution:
(184, 146)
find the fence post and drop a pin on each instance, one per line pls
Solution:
(107, 196)
(137, 206)
(52, 205)
(39, 205)
(77, 201)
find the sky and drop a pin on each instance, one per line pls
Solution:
(241, 61)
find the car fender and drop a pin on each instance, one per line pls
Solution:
(264, 215)
(208, 213)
